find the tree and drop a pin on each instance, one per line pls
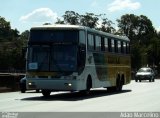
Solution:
(6, 33)
(140, 31)
(138, 28)
(106, 25)
(153, 52)
(136, 56)
(14, 34)
(145, 29)
(11, 46)
(71, 17)
(89, 20)
(24, 38)
(127, 25)
(59, 21)
(4, 29)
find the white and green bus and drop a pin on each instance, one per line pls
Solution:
(76, 58)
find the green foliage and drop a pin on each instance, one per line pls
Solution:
(153, 51)
(144, 39)
(59, 21)
(71, 17)
(106, 25)
(136, 55)
(4, 29)
(24, 38)
(89, 19)
(136, 27)
(11, 45)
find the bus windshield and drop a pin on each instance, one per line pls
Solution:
(53, 58)
(52, 50)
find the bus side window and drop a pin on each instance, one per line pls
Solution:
(82, 39)
(112, 45)
(127, 48)
(124, 47)
(98, 43)
(102, 44)
(106, 44)
(109, 45)
(119, 47)
(115, 46)
(90, 42)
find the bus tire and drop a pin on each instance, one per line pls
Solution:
(122, 82)
(153, 80)
(88, 86)
(111, 89)
(118, 87)
(23, 90)
(46, 93)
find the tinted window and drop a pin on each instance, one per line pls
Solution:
(98, 43)
(109, 45)
(106, 44)
(119, 46)
(112, 45)
(124, 47)
(127, 48)
(82, 39)
(53, 58)
(102, 44)
(90, 42)
(115, 46)
(53, 36)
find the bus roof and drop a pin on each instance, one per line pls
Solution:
(72, 27)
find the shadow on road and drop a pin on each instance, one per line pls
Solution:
(75, 96)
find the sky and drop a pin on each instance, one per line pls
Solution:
(23, 14)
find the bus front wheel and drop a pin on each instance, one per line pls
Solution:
(88, 86)
(46, 93)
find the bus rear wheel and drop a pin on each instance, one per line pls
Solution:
(46, 93)
(118, 87)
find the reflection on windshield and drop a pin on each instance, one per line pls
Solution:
(54, 58)
(63, 58)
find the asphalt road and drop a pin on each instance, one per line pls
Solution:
(135, 97)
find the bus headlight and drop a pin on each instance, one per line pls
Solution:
(29, 83)
(69, 84)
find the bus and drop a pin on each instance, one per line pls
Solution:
(76, 58)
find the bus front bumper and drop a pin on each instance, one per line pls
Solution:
(57, 85)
